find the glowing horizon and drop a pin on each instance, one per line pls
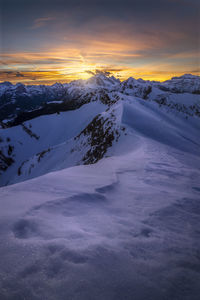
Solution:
(35, 68)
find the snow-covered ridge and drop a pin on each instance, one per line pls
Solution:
(101, 128)
(88, 123)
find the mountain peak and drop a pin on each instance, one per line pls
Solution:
(102, 79)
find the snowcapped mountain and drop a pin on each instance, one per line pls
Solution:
(184, 84)
(93, 120)
(16, 99)
(100, 189)
(25, 102)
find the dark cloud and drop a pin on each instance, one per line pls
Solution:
(18, 74)
(12, 73)
(60, 21)
(53, 19)
(90, 72)
(102, 72)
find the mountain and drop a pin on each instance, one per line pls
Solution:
(16, 99)
(89, 122)
(184, 84)
(100, 192)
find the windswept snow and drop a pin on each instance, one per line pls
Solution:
(120, 229)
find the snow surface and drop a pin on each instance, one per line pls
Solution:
(124, 228)
(51, 129)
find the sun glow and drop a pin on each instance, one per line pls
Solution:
(64, 65)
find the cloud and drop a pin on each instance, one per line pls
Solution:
(90, 72)
(40, 22)
(98, 71)
(104, 72)
(18, 74)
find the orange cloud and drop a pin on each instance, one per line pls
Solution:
(122, 58)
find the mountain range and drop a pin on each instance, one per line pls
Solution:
(46, 128)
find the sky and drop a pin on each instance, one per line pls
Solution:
(48, 41)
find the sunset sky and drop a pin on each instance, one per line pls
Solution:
(46, 41)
